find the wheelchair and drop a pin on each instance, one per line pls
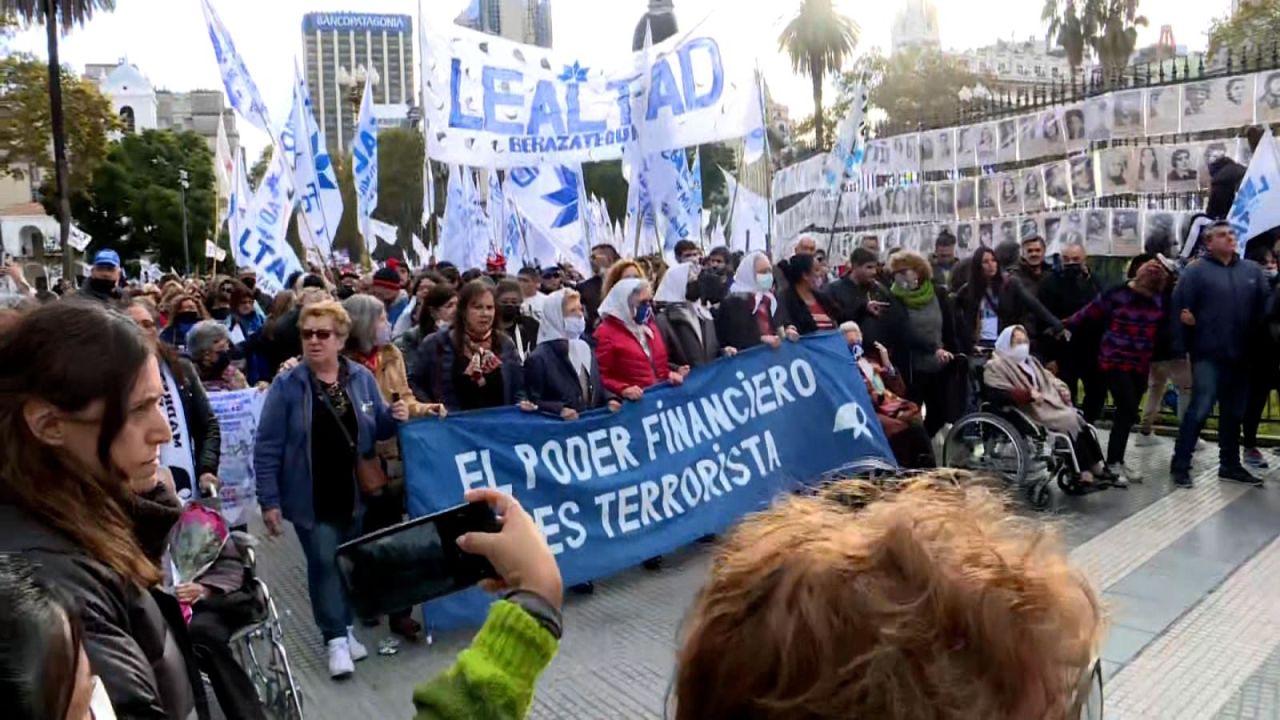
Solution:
(259, 645)
(1003, 441)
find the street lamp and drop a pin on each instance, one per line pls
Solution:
(184, 183)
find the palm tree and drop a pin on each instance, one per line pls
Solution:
(1106, 28)
(818, 39)
(52, 13)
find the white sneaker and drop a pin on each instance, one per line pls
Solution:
(1146, 440)
(340, 664)
(358, 651)
(1126, 472)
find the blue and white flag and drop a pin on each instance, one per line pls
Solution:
(850, 145)
(240, 199)
(496, 103)
(364, 156)
(260, 241)
(480, 236)
(1257, 205)
(242, 92)
(454, 227)
(314, 175)
(749, 217)
(550, 199)
(612, 489)
(642, 224)
(513, 232)
(497, 205)
(695, 199)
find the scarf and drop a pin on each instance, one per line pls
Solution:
(918, 298)
(372, 361)
(178, 454)
(483, 361)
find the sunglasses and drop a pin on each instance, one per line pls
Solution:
(317, 334)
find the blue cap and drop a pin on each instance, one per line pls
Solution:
(107, 257)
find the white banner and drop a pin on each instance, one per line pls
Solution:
(749, 223)
(237, 414)
(1257, 205)
(224, 164)
(242, 93)
(261, 244)
(364, 154)
(240, 200)
(313, 172)
(79, 239)
(496, 103)
(550, 201)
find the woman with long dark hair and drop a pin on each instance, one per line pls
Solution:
(77, 435)
(471, 364)
(992, 300)
(803, 305)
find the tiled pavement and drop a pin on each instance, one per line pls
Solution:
(1191, 580)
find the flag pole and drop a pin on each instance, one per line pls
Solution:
(768, 166)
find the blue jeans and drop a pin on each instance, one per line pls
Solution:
(328, 598)
(1226, 383)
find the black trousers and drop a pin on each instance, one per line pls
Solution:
(209, 633)
(1077, 369)
(943, 394)
(1088, 452)
(1263, 378)
(913, 448)
(1126, 391)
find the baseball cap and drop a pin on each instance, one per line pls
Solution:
(108, 258)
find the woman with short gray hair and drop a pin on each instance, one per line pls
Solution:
(209, 347)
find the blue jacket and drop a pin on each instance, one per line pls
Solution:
(552, 384)
(1228, 302)
(434, 374)
(282, 452)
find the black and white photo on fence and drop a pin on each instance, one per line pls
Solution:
(1074, 128)
(1267, 107)
(1029, 228)
(1098, 118)
(1084, 186)
(1182, 175)
(1010, 197)
(986, 234)
(928, 201)
(1052, 231)
(1196, 101)
(1119, 170)
(1126, 236)
(1164, 110)
(966, 198)
(945, 192)
(1053, 138)
(987, 145)
(1007, 231)
(905, 153)
(1057, 184)
(1150, 177)
(1126, 114)
(987, 206)
(1008, 132)
(1028, 135)
(1097, 232)
(1032, 189)
(965, 241)
(1237, 99)
(1209, 152)
(966, 146)
(1160, 225)
(1072, 228)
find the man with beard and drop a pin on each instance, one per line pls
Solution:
(1032, 269)
(1064, 291)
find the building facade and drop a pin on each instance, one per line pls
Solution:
(916, 27)
(524, 21)
(1013, 63)
(338, 48)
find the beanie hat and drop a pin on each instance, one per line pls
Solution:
(387, 278)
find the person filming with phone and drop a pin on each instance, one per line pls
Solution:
(314, 460)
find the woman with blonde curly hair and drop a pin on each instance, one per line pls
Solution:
(927, 601)
(927, 359)
(627, 269)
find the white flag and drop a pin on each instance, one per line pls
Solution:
(317, 183)
(718, 238)
(847, 151)
(242, 93)
(79, 239)
(454, 228)
(212, 251)
(381, 232)
(240, 199)
(364, 154)
(428, 177)
(1257, 205)
(497, 212)
(550, 199)
(749, 223)
(224, 164)
(261, 243)
(420, 251)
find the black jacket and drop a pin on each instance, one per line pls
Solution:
(676, 323)
(409, 344)
(135, 638)
(885, 328)
(1226, 174)
(552, 384)
(434, 374)
(1017, 306)
(1064, 295)
(206, 435)
(528, 333)
(592, 292)
(793, 311)
(736, 324)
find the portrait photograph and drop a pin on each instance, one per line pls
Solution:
(1097, 117)
(1028, 137)
(927, 202)
(986, 234)
(1072, 227)
(1126, 241)
(964, 238)
(1029, 228)
(966, 147)
(1051, 139)
(1073, 127)
(1236, 105)
(1008, 231)
(1052, 223)
(1097, 232)
(926, 151)
(943, 156)
(1083, 184)
(1057, 183)
(1158, 225)
(1126, 114)
(904, 154)
(966, 199)
(1119, 170)
(945, 208)
(987, 205)
(1010, 197)
(1181, 175)
(1032, 190)
(1267, 93)
(877, 156)
(988, 143)
(898, 205)
(1008, 135)
(1150, 177)
(1198, 102)
(869, 208)
(1164, 109)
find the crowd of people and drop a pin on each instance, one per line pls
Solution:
(108, 430)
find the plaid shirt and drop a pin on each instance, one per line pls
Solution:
(1131, 321)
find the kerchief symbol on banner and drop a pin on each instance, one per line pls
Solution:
(565, 197)
(324, 163)
(523, 177)
(851, 416)
(574, 73)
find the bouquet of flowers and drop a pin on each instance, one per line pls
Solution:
(195, 542)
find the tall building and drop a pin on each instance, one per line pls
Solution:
(916, 27)
(524, 21)
(337, 45)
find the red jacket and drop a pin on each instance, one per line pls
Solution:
(622, 359)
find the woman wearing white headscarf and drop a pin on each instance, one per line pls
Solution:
(749, 315)
(561, 374)
(686, 325)
(1014, 377)
(629, 348)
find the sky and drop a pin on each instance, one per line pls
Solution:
(166, 39)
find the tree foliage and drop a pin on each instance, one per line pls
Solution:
(260, 165)
(69, 12)
(1255, 24)
(26, 125)
(916, 85)
(818, 40)
(400, 154)
(133, 203)
(1103, 29)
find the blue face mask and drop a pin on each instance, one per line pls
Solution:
(643, 312)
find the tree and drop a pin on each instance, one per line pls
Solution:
(916, 85)
(260, 166)
(818, 39)
(133, 204)
(400, 156)
(1104, 29)
(1255, 24)
(67, 13)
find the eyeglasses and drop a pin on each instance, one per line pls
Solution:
(317, 334)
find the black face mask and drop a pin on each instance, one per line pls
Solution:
(712, 288)
(692, 291)
(508, 313)
(1073, 271)
(219, 313)
(102, 285)
(251, 283)
(345, 292)
(190, 317)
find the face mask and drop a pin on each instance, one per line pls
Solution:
(1020, 352)
(692, 291)
(383, 336)
(574, 326)
(1073, 269)
(711, 288)
(220, 361)
(187, 318)
(345, 292)
(643, 311)
(764, 281)
(219, 313)
(1271, 273)
(251, 283)
(102, 285)
(856, 349)
(508, 313)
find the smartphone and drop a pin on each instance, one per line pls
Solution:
(415, 561)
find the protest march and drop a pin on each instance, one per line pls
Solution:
(520, 378)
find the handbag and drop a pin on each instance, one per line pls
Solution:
(369, 475)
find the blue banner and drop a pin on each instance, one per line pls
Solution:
(610, 490)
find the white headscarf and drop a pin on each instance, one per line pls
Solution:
(744, 282)
(617, 304)
(1004, 348)
(552, 329)
(673, 288)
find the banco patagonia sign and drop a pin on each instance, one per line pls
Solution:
(356, 21)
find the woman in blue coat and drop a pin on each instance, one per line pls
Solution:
(561, 374)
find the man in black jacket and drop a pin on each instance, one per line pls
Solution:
(865, 300)
(1227, 174)
(103, 283)
(1063, 292)
(603, 256)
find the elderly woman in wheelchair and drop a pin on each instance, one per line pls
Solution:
(1027, 418)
